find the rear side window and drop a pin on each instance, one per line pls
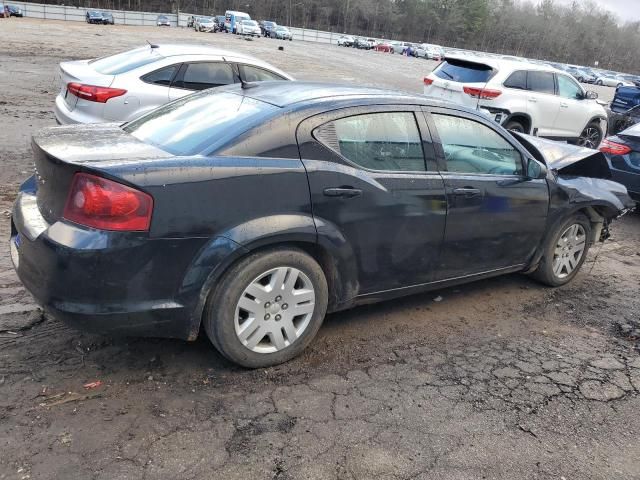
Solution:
(255, 74)
(126, 61)
(517, 80)
(162, 76)
(377, 141)
(541, 82)
(471, 147)
(200, 76)
(464, 72)
(199, 121)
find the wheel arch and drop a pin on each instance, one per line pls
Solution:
(525, 118)
(326, 246)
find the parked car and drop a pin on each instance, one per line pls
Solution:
(15, 11)
(121, 87)
(4, 11)
(267, 27)
(94, 16)
(218, 21)
(282, 33)
(613, 81)
(582, 75)
(398, 47)
(523, 97)
(429, 52)
(363, 43)
(107, 18)
(623, 154)
(163, 21)
(249, 28)
(204, 24)
(200, 213)
(232, 19)
(346, 41)
(383, 47)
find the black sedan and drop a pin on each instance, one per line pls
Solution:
(254, 209)
(94, 16)
(623, 154)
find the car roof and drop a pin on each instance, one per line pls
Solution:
(292, 94)
(181, 49)
(505, 64)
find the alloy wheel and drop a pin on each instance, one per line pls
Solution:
(590, 138)
(569, 250)
(274, 310)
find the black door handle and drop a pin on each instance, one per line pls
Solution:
(346, 192)
(467, 191)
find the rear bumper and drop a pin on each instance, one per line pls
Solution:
(64, 116)
(120, 283)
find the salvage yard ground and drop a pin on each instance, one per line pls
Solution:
(504, 379)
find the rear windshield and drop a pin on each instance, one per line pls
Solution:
(126, 61)
(199, 121)
(463, 71)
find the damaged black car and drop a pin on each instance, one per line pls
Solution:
(251, 211)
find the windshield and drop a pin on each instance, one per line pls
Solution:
(199, 121)
(126, 61)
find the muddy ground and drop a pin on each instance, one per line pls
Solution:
(503, 379)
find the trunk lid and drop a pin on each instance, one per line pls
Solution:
(60, 152)
(80, 71)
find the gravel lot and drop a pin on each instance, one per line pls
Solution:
(503, 379)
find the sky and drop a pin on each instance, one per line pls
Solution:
(626, 10)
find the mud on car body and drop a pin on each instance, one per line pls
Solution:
(283, 202)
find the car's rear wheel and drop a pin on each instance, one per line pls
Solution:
(565, 252)
(514, 126)
(591, 136)
(267, 308)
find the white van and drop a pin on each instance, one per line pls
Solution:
(232, 20)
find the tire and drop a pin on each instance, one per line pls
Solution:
(600, 82)
(225, 320)
(591, 136)
(515, 126)
(547, 271)
(619, 85)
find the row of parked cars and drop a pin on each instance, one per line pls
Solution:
(422, 50)
(249, 211)
(239, 23)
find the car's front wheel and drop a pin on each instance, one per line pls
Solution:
(591, 136)
(514, 126)
(565, 252)
(267, 308)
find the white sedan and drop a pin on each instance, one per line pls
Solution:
(121, 87)
(613, 81)
(250, 28)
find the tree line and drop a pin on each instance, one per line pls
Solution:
(581, 33)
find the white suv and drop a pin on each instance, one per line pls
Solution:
(523, 97)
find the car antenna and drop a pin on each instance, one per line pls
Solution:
(243, 83)
(152, 45)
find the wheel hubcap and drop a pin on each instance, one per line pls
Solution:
(569, 250)
(590, 137)
(274, 310)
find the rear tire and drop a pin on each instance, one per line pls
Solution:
(515, 126)
(565, 252)
(251, 328)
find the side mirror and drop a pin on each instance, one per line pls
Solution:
(535, 169)
(591, 95)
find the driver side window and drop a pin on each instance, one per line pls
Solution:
(471, 147)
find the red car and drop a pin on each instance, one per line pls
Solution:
(383, 47)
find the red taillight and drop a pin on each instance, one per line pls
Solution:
(427, 81)
(482, 93)
(613, 148)
(93, 93)
(107, 205)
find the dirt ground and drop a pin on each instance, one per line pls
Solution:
(502, 379)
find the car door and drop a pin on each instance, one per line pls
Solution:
(542, 102)
(572, 116)
(194, 76)
(375, 189)
(496, 215)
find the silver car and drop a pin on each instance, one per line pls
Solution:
(124, 86)
(249, 28)
(203, 24)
